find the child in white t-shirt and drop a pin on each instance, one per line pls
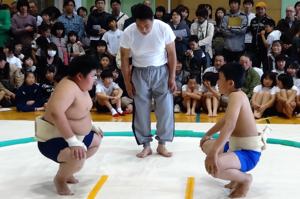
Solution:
(191, 95)
(112, 37)
(108, 93)
(210, 93)
(264, 94)
(286, 95)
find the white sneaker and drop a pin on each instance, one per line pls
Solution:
(177, 108)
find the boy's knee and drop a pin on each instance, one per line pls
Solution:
(115, 92)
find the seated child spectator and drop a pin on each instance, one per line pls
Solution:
(292, 70)
(99, 49)
(219, 61)
(59, 39)
(181, 78)
(11, 78)
(191, 95)
(28, 64)
(49, 83)
(108, 93)
(10, 56)
(264, 94)
(280, 64)
(74, 46)
(210, 93)
(238, 148)
(286, 95)
(29, 95)
(276, 50)
(113, 36)
(18, 50)
(105, 62)
(273, 35)
(195, 58)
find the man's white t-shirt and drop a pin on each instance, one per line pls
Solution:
(112, 39)
(260, 89)
(100, 88)
(150, 49)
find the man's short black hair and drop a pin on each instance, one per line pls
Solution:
(296, 4)
(99, 0)
(235, 1)
(248, 1)
(66, 2)
(81, 8)
(142, 12)
(281, 57)
(270, 22)
(234, 72)
(115, 1)
(110, 19)
(83, 64)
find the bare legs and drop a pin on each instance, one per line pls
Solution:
(161, 150)
(229, 169)
(284, 106)
(212, 104)
(261, 104)
(70, 166)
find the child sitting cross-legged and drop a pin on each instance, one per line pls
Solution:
(108, 94)
(191, 95)
(264, 94)
(210, 93)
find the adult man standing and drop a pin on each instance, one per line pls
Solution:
(151, 44)
(71, 21)
(116, 12)
(234, 27)
(97, 22)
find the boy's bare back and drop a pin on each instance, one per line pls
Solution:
(239, 114)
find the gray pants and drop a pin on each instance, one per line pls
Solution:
(152, 82)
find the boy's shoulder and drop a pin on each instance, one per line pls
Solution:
(237, 96)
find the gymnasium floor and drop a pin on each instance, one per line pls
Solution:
(115, 173)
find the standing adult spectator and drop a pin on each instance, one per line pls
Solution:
(116, 12)
(23, 25)
(287, 27)
(151, 45)
(97, 22)
(72, 21)
(205, 32)
(34, 11)
(5, 24)
(248, 5)
(234, 27)
(259, 50)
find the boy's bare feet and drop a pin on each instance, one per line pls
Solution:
(231, 185)
(145, 152)
(62, 187)
(162, 150)
(242, 189)
(72, 180)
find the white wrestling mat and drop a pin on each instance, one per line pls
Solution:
(25, 173)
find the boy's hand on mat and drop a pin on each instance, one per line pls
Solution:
(78, 152)
(211, 164)
(203, 140)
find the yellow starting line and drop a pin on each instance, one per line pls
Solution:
(97, 187)
(189, 192)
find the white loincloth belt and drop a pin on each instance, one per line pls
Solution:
(253, 143)
(45, 131)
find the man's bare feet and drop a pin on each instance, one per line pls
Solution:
(145, 152)
(231, 185)
(193, 113)
(209, 114)
(242, 189)
(62, 186)
(162, 150)
(72, 180)
(215, 115)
